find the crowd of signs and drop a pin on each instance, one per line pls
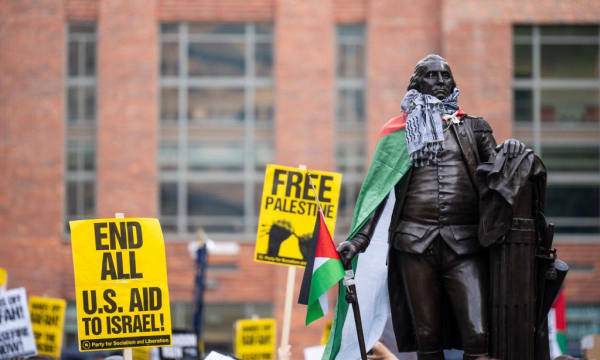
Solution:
(122, 296)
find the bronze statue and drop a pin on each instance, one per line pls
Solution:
(438, 266)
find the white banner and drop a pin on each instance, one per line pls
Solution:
(16, 335)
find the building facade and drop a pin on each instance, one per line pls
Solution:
(173, 108)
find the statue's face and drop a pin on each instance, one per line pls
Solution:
(437, 80)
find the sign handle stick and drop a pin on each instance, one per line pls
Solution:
(287, 311)
(289, 294)
(127, 353)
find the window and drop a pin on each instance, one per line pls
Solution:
(80, 179)
(216, 125)
(582, 320)
(350, 119)
(557, 113)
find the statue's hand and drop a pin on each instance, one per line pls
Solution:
(347, 251)
(512, 147)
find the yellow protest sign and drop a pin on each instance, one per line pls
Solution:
(141, 353)
(120, 284)
(289, 210)
(3, 279)
(47, 320)
(255, 339)
(326, 331)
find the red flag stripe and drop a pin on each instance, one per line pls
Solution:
(399, 123)
(325, 247)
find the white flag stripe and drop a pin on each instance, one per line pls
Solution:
(371, 288)
(324, 303)
(318, 262)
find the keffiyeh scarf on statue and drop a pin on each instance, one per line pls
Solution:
(424, 132)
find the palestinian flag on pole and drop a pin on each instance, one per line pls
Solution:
(557, 327)
(389, 165)
(323, 270)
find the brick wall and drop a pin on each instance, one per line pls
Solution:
(216, 10)
(81, 10)
(31, 143)
(127, 108)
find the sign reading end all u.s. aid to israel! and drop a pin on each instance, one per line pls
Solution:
(289, 210)
(120, 284)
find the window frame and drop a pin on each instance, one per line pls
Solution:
(185, 131)
(581, 134)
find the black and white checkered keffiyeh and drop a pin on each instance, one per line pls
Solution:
(424, 132)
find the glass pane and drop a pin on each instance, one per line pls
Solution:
(217, 29)
(215, 199)
(72, 158)
(264, 154)
(72, 198)
(578, 106)
(225, 59)
(90, 103)
(560, 30)
(216, 104)
(89, 156)
(226, 155)
(573, 201)
(169, 28)
(258, 192)
(351, 157)
(264, 29)
(72, 105)
(523, 61)
(351, 106)
(90, 58)
(351, 61)
(571, 158)
(523, 103)
(263, 66)
(168, 156)
(82, 28)
(569, 61)
(169, 59)
(263, 108)
(73, 61)
(351, 30)
(582, 320)
(168, 199)
(89, 199)
(523, 30)
(169, 104)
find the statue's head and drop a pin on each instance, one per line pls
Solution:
(433, 76)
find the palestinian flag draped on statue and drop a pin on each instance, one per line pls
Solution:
(390, 163)
(323, 270)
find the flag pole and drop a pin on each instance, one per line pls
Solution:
(287, 309)
(351, 296)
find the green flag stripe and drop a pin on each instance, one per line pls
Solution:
(324, 277)
(390, 162)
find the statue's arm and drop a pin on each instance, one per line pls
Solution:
(484, 136)
(359, 243)
(486, 144)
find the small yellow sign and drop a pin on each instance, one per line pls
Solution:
(255, 339)
(3, 279)
(120, 284)
(326, 331)
(141, 353)
(47, 320)
(289, 210)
